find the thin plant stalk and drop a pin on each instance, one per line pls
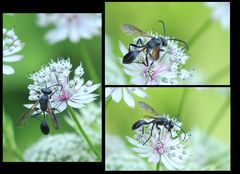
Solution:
(182, 100)
(219, 74)
(83, 133)
(90, 68)
(200, 31)
(158, 165)
(212, 126)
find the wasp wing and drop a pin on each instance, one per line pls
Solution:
(26, 115)
(132, 30)
(147, 108)
(53, 116)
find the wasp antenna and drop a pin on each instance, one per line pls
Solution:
(181, 130)
(186, 45)
(164, 29)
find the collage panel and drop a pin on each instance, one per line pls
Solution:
(52, 92)
(173, 128)
(167, 43)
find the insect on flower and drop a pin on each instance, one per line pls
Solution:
(45, 106)
(157, 121)
(152, 48)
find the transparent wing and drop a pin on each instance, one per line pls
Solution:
(26, 115)
(147, 108)
(132, 30)
(53, 116)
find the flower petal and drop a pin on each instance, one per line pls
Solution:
(14, 58)
(117, 94)
(8, 70)
(128, 98)
(123, 49)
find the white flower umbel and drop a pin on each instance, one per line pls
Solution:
(207, 153)
(71, 25)
(11, 45)
(113, 73)
(118, 156)
(167, 70)
(171, 151)
(91, 119)
(68, 147)
(117, 93)
(73, 92)
(221, 13)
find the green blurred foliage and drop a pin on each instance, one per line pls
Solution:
(200, 109)
(38, 52)
(210, 53)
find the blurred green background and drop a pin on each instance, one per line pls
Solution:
(38, 52)
(210, 52)
(207, 109)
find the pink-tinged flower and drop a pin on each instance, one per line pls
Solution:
(70, 25)
(169, 150)
(11, 45)
(70, 92)
(167, 70)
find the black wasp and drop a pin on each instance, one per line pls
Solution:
(156, 122)
(45, 106)
(153, 47)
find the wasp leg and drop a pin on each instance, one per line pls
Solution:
(136, 46)
(139, 41)
(159, 134)
(142, 130)
(150, 134)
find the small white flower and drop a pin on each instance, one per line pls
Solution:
(117, 93)
(70, 25)
(91, 120)
(113, 74)
(168, 149)
(221, 13)
(167, 70)
(118, 156)
(71, 92)
(68, 147)
(11, 45)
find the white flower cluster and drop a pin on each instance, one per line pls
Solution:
(168, 149)
(207, 153)
(113, 73)
(167, 70)
(118, 157)
(117, 93)
(11, 45)
(91, 120)
(71, 92)
(70, 25)
(66, 147)
(221, 13)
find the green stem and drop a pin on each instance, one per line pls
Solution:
(182, 100)
(219, 74)
(218, 117)
(75, 119)
(109, 100)
(200, 31)
(90, 68)
(158, 166)
(18, 154)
